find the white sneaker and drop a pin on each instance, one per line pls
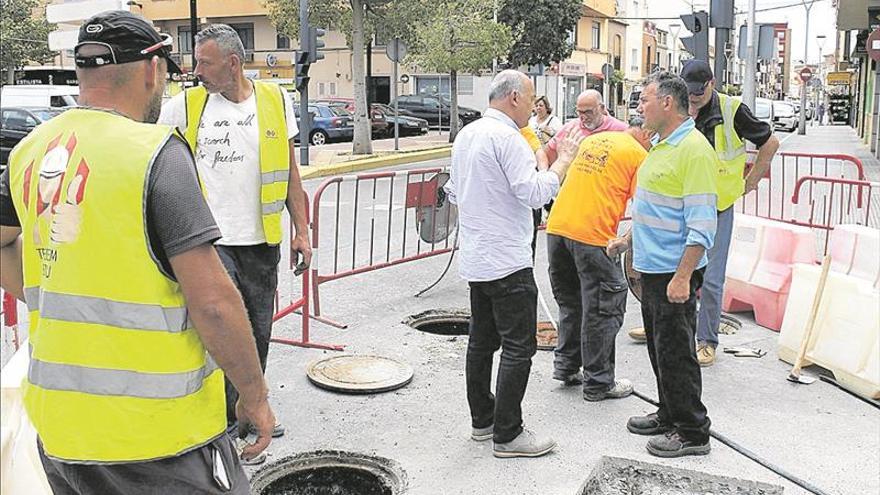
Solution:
(526, 444)
(483, 434)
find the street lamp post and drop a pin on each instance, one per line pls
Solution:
(820, 40)
(802, 124)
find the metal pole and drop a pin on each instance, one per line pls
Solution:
(751, 58)
(802, 124)
(722, 37)
(193, 27)
(875, 135)
(305, 120)
(394, 90)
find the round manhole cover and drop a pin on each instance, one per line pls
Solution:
(359, 374)
(329, 472)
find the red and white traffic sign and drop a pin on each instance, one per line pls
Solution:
(806, 74)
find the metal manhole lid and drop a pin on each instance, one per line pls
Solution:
(357, 374)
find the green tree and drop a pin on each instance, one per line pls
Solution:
(357, 19)
(23, 36)
(459, 37)
(540, 29)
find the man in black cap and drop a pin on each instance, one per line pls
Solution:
(727, 123)
(132, 315)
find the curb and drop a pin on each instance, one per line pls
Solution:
(314, 172)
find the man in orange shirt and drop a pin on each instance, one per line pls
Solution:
(588, 285)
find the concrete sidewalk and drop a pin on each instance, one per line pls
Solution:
(337, 158)
(834, 139)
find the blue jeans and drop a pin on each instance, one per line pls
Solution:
(709, 316)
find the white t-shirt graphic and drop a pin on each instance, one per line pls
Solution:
(228, 161)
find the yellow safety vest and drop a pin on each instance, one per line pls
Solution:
(731, 153)
(117, 372)
(274, 150)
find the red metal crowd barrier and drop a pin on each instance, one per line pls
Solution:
(772, 198)
(822, 202)
(10, 317)
(299, 306)
(383, 239)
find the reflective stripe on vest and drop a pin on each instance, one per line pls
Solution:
(731, 153)
(117, 372)
(273, 145)
(87, 309)
(100, 381)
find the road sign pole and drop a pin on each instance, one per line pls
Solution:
(396, 114)
(304, 120)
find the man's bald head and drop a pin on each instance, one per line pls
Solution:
(513, 93)
(590, 109)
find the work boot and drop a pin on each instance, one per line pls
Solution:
(638, 334)
(277, 431)
(621, 389)
(526, 444)
(482, 434)
(672, 444)
(569, 379)
(647, 425)
(705, 354)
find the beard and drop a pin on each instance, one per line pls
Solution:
(154, 108)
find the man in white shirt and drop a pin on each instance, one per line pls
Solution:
(495, 183)
(245, 157)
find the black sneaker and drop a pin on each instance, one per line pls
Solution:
(673, 444)
(278, 431)
(569, 379)
(647, 425)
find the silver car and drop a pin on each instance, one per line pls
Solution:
(784, 116)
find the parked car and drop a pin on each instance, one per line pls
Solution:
(435, 109)
(784, 116)
(329, 123)
(39, 95)
(763, 111)
(378, 124)
(18, 122)
(406, 125)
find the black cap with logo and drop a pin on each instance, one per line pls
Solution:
(127, 37)
(697, 74)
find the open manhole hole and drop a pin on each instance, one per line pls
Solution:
(441, 321)
(619, 476)
(330, 472)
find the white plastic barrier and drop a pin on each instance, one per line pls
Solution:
(855, 250)
(22, 471)
(846, 336)
(745, 247)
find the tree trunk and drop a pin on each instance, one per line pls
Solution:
(362, 145)
(453, 107)
(10, 76)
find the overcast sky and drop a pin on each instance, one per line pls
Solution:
(822, 19)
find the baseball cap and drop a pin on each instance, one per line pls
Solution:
(697, 74)
(127, 37)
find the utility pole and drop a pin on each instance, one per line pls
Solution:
(802, 124)
(193, 28)
(751, 58)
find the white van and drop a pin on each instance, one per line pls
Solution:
(38, 95)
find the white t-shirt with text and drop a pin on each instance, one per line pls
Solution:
(228, 161)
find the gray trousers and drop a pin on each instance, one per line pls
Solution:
(591, 293)
(195, 472)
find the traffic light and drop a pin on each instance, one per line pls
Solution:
(302, 70)
(315, 43)
(698, 44)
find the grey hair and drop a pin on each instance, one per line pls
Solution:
(505, 83)
(227, 39)
(636, 120)
(669, 84)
